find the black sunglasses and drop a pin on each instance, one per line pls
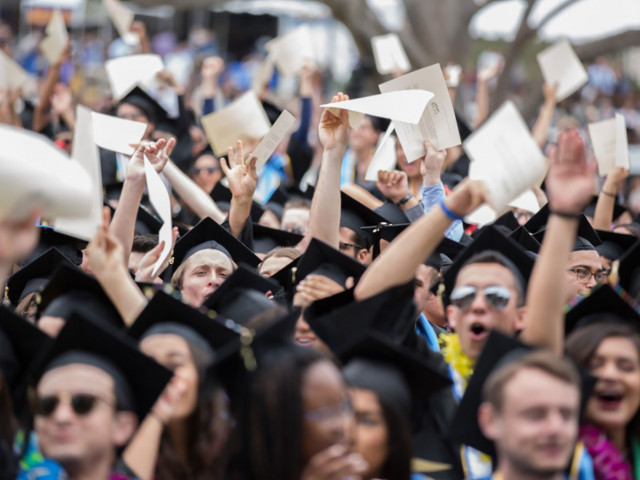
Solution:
(196, 171)
(81, 403)
(496, 296)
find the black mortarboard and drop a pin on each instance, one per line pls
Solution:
(396, 374)
(34, 276)
(463, 127)
(590, 211)
(282, 194)
(321, 259)
(266, 239)
(587, 238)
(392, 213)
(496, 353)
(242, 296)
(208, 234)
(614, 245)
(272, 111)
(525, 239)
(147, 222)
(491, 239)
(164, 309)
(222, 196)
(384, 231)
(629, 270)
(354, 215)
(70, 290)
(142, 100)
(69, 246)
(112, 191)
(20, 344)
(604, 304)
(507, 220)
(286, 276)
(138, 379)
(444, 254)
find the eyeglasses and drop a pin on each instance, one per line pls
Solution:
(326, 413)
(81, 403)
(196, 171)
(342, 246)
(584, 276)
(497, 297)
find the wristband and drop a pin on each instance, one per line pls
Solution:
(448, 212)
(609, 194)
(405, 199)
(567, 215)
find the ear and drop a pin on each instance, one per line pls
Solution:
(124, 428)
(451, 318)
(363, 256)
(487, 420)
(521, 318)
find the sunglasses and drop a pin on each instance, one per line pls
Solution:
(496, 296)
(196, 171)
(81, 403)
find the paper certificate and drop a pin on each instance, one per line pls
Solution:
(560, 64)
(85, 153)
(125, 73)
(120, 15)
(389, 54)
(292, 51)
(504, 154)
(243, 118)
(438, 123)
(117, 134)
(609, 140)
(56, 38)
(159, 199)
(385, 156)
(12, 75)
(272, 139)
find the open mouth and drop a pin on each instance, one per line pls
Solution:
(478, 330)
(609, 399)
(305, 341)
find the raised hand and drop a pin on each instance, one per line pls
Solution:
(467, 196)
(334, 463)
(488, 73)
(105, 252)
(431, 164)
(614, 177)
(156, 152)
(550, 93)
(571, 179)
(145, 269)
(393, 184)
(242, 176)
(61, 100)
(334, 130)
(317, 287)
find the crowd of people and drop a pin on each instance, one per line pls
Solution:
(310, 324)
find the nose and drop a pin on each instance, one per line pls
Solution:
(302, 326)
(215, 280)
(608, 371)
(63, 413)
(592, 282)
(479, 303)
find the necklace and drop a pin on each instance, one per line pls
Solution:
(454, 356)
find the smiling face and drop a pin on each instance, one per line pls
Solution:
(473, 324)
(371, 433)
(202, 274)
(616, 396)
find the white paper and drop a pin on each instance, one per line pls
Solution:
(120, 15)
(453, 72)
(292, 51)
(560, 64)
(56, 37)
(272, 139)
(389, 54)
(159, 199)
(263, 75)
(34, 173)
(505, 156)
(243, 118)
(385, 156)
(12, 75)
(85, 153)
(117, 134)
(609, 141)
(481, 216)
(438, 124)
(526, 201)
(125, 73)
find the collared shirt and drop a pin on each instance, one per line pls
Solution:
(430, 197)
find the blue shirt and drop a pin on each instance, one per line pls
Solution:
(430, 197)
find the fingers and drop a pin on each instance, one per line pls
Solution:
(252, 170)
(224, 165)
(169, 147)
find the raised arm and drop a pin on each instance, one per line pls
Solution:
(603, 216)
(398, 262)
(242, 177)
(485, 75)
(41, 111)
(325, 206)
(540, 130)
(569, 185)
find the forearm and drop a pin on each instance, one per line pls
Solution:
(541, 128)
(547, 291)
(362, 195)
(123, 293)
(191, 194)
(41, 111)
(69, 118)
(397, 264)
(141, 455)
(325, 207)
(603, 216)
(482, 104)
(239, 213)
(123, 224)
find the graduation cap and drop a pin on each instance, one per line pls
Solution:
(112, 191)
(149, 106)
(354, 215)
(614, 245)
(587, 238)
(590, 211)
(463, 127)
(147, 222)
(321, 259)
(208, 234)
(163, 309)
(396, 374)
(222, 196)
(70, 247)
(272, 110)
(70, 291)
(283, 194)
(34, 276)
(629, 270)
(20, 344)
(286, 277)
(602, 304)
(508, 221)
(242, 296)
(383, 231)
(138, 379)
(491, 239)
(266, 239)
(497, 351)
(526, 239)
(392, 213)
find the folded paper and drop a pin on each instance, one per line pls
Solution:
(385, 156)
(159, 199)
(120, 15)
(560, 64)
(292, 51)
(609, 141)
(12, 75)
(389, 54)
(117, 134)
(56, 38)
(125, 73)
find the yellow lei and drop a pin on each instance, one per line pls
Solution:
(453, 355)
